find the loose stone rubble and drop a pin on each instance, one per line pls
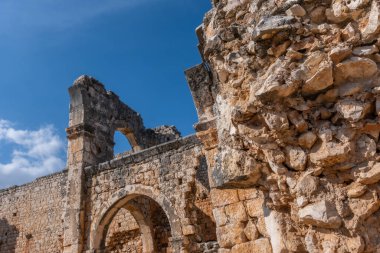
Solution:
(285, 157)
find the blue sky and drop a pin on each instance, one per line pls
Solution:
(137, 48)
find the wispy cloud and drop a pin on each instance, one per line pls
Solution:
(18, 16)
(34, 153)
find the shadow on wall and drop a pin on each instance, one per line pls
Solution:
(207, 227)
(8, 237)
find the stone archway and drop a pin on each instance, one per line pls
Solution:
(128, 231)
(122, 199)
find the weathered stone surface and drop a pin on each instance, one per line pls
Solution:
(220, 216)
(296, 158)
(322, 79)
(365, 51)
(356, 4)
(356, 190)
(277, 82)
(307, 140)
(330, 153)
(339, 54)
(371, 176)
(307, 185)
(259, 246)
(353, 110)
(349, 89)
(224, 197)
(297, 120)
(236, 212)
(268, 26)
(251, 231)
(276, 120)
(255, 207)
(355, 68)
(231, 235)
(373, 21)
(365, 147)
(276, 158)
(366, 205)
(320, 214)
(296, 10)
(317, 15)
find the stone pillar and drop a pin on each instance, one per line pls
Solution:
(89, 142)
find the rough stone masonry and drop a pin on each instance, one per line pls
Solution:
(285, 156)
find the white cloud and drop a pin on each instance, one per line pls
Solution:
(33, 153)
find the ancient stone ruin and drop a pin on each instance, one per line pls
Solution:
(284, 159)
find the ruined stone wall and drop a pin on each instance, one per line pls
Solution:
(168, 170)
(288, 108)
(31, 216)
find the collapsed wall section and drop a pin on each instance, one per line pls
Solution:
(31, 216)
(292, 134)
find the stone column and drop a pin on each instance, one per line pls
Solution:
(90, 141)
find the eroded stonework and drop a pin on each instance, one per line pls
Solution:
(285, 156)
(294, 121)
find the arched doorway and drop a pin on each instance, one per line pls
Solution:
(141, 226)
(136, 220)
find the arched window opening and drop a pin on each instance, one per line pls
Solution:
(122, 144)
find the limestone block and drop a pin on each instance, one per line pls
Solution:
(349, 89)
(365, 147)
(307, 140)
(188, 230)
(255, 207)
(356, 190)
(259, 246)
(322, 79)
(236, 212)
(307, 185)
(220, 216)
(330, 153)
(317, 15)
(270, 25)
(297, 120)
(296, 11)
(295, 158)
(339, 54)
(353, 110)
(371, 176)
(224, 197)
(251, 231)
(355, 68)
(248, 193)
(365, 50)
(321, 214)
(366, 205)
(373, 22)
(276, 120)
(230, 235)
